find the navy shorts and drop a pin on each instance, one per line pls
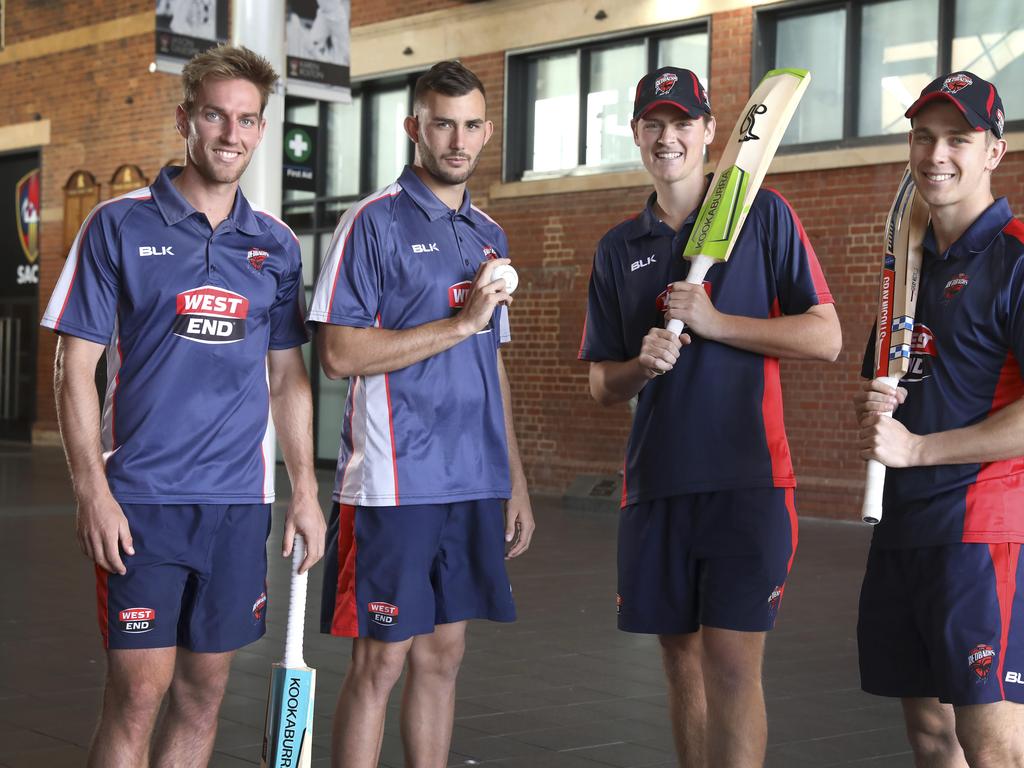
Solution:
(198, 578)
(944, 622)
(716, 559)
(394, 572)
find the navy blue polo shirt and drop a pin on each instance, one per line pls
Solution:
(187, 315)
(966, 354)
(433, 432)
(714, 422)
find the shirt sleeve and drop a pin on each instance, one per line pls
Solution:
(602, 328)
(348, 290)
(288, 312)
(84, 301)
(800, 282)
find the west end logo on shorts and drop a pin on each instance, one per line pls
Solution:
(256, 257)
(211, 315)
(383, 613)
(259, 606)
(980, 661)
(135, 621)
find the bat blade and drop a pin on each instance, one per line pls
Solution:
(288, 733)
(741, 169)
(898, 283)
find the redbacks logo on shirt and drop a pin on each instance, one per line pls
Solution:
(256, 257)
(955, 285)
(135, 621)
(490, 252)
(922, 351)
(383, 613)
(211, 315)
(980, 661)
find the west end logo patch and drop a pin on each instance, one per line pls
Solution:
(457, 294)
(956, 83)
(664, 84)
(980, 661)
(383, 613)
(135, 621)
(256, 257)
(211, 315)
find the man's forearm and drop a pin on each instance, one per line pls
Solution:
(292, 408)
(813, 335)
(78, 415)
(613, 382)
(515, 462)
(999, 436)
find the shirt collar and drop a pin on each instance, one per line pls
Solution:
(429, 202)
(646, 224)
(175, 208)
(978, 237)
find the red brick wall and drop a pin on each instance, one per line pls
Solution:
(562, 431)
(364, 12)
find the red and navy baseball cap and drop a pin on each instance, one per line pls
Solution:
(675, 87)
(976, 98)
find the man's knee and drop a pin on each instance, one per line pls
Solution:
(376, 665)
(137, 682)
(439, 655)
(682, 656)
(732, 659)
(990, 747)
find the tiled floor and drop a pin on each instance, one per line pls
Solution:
(561, 687)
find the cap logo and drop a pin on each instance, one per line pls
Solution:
(956, 83)
(664, 84)
(999, 121)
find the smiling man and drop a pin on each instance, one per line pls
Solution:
(942, 605)
(429, 484)
(197, 300)
(707, 531)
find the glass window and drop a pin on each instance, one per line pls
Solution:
(554, 102)
(344, 123)
(687, 51)
(815, 41)
(898, 57)
(988, 40)
(610, 103)
(388, 143)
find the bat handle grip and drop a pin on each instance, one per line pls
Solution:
(296, 607)
(699, 267)
(871, 511)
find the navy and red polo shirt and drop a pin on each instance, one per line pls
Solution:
(714, 422)
(433, 432)
(187, 315)
(967, 348)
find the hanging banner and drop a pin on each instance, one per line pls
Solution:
(187, 27)
(317, 33)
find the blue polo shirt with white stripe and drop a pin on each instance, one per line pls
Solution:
(433, 432)
(966, 363)
(187, 315)
(714, 422)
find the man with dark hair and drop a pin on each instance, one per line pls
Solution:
(708, 527)
(198, 301)
(942, 605)
(430, 488)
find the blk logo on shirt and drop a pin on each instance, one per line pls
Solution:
(135, 621)
(211, 315)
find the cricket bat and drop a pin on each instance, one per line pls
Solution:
(288, 734)
(897, 299)
(740, 171)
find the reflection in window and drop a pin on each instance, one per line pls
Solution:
(343, 142)
(610, 103)
(898, 59)
(816, 42)
(555, 106)
(988, 40)
(388, 110)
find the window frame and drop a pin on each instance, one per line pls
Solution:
(766, 19)
(518, 136)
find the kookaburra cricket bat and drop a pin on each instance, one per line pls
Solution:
(897, 299)
(288, 735)
(740, 171)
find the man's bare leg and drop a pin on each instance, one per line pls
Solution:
(428, 701)
(682, 656)
(992, 735)
(737, 730)
(931, 731)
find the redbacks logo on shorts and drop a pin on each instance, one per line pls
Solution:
(955, 285)
(490, 252)
(383, 613)
(956, 83)
(135, 621)
(457, 294)
(256, 258)
(664, 84)
(774, 600)
(259, 606)
(618, 603)
(211, 315)
(922, 351)
(980, 661)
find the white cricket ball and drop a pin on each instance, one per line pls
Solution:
(508, 274)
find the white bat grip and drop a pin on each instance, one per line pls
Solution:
(698, 270)
(871, 511)
(296, 608)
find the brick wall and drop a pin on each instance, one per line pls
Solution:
(562, 431)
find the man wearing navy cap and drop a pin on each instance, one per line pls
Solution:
(942, 605)
(707, 530)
